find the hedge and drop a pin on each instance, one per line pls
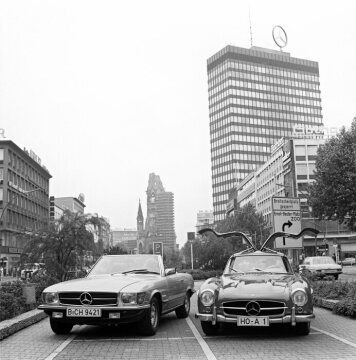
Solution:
(12, 302)
(345, 292)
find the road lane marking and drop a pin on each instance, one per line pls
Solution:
(205, 347)
(335, 337)
(61, 347)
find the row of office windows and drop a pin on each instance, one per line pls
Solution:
(263, 83)
(243, 143)
(247, 133)
(232, 66)
(231, 111)
(241, 124)
(245, 108)
(18, 164)
(237, 96)
(258, 155)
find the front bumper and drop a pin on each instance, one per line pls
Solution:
(292, 319)
(126, 314)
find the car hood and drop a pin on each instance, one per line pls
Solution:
(257, 286)
(109, 283)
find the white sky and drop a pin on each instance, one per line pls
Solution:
(106, 92)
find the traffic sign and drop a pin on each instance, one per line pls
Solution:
(287, 218)
(191, 236)
(158, 248)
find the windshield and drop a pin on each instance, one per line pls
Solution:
(257, 263)
(322, 260)
(126, 264)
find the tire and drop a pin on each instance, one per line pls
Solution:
(336, 276)
(302, 328)
(183, 311)
(209, 328)
(60, 328)
(149, 324)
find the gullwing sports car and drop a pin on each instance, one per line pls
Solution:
(119, 289)
(257, 288)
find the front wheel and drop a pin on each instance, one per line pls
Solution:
(302, 328)
(60, 328)
(183, 311)
(336, 276)
(209, 328)
(149, 323)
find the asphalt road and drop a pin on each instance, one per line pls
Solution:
(332, 337)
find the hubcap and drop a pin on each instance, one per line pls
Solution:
(154, 315)
(187, 304)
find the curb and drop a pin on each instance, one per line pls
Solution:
(9, 327)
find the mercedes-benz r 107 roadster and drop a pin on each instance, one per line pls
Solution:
(119, 289)
(257, 288)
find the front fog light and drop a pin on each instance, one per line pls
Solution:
(207, 297)
(299, 298)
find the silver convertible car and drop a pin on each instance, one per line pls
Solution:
(119, 289)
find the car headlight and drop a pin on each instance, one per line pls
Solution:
(133, 298)
(299, 297)
(207, 297)
(50, 298)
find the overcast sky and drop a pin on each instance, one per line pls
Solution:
(106, 92)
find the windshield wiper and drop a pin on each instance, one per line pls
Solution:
(236, 271)
(140, 271)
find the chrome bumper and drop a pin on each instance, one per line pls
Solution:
(109, 308)
(287, 319)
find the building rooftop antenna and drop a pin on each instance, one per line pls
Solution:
(249, 17)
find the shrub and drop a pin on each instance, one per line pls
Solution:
(199, 274)
(12, 303)
(347, 305)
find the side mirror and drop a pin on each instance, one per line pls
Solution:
(170, 271)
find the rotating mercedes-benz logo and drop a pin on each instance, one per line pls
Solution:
(279, 36)
(252, 308)
(85, 298)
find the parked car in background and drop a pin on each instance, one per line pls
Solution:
(119, 289)
(31, 269)
(257, 288)
(321, 266)
(348, 261)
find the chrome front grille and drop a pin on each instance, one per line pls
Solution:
(267, 308)
(98, 298)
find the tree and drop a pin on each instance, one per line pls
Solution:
(333, 194)
(115, 250)
(248, 221)
(211, 253)
(61, 245)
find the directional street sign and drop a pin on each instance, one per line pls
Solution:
(287, 218)
(158, 248)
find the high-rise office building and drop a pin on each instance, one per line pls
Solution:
(256, 96)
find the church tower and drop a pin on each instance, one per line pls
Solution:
(140, 230)
(139, 218)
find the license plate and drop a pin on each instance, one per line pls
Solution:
(83, 312)
(252, 321)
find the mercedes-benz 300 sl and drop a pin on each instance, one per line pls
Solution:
(258, 288)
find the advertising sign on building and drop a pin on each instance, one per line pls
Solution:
(287, 218)
(158, 248)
